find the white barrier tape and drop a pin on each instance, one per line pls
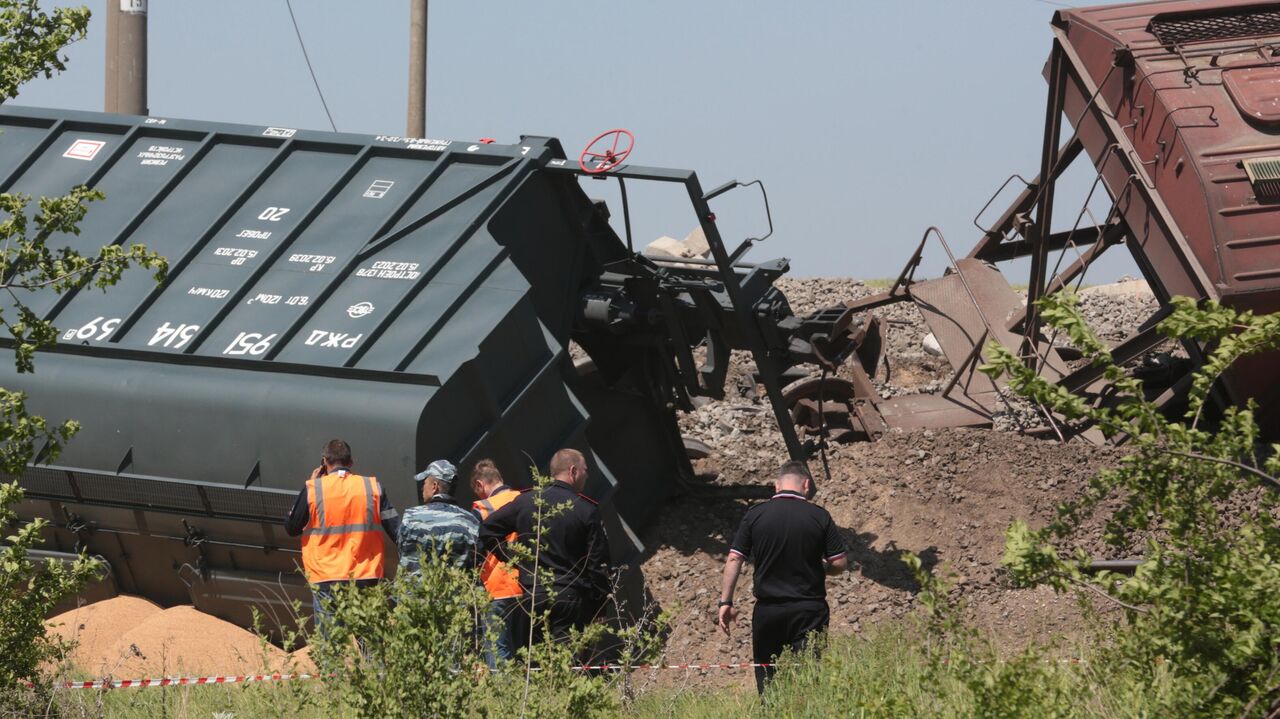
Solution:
(249, 678)
(180, 681)
(636, 667)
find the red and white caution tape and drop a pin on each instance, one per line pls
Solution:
(655, 667)
(250, 678)
(180, 681)
(262, 678)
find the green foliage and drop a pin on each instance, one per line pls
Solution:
(31, 41)
(32, 251)
(988, 683)
(28, 592)
(412, 648)
(405, 648)
(31, 45)
(897, 670)
(28, 263)
(20, 432)
(1202, 610)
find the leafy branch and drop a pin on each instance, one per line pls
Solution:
(28, 263)
(33, 258)
(33, 41)
(1204, 603)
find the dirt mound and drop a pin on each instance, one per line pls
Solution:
(96, 627)
(302, 661)
(945, 495)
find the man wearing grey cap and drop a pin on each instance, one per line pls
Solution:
(439, 528)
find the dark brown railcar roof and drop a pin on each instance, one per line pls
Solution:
(1139, 26)
(1197, 87)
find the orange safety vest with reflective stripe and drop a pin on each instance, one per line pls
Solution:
(343, 538)
(501, 579)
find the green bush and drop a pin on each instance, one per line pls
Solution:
(29, 590)
(411, 648)
(1201, 614)
(405, 648)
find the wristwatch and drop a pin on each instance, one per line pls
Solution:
(725, 603)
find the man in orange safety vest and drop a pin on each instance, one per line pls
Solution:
(341, 517)
(500, 579)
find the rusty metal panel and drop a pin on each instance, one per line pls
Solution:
(948, 308)
(1199, 98)
(924, 411)
(1171, 99)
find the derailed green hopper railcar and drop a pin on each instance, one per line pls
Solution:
(415, 297)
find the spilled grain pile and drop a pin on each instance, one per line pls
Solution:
(131, 637)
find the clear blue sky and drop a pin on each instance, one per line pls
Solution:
(868, 122)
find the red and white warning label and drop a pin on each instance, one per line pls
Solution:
(84, 149)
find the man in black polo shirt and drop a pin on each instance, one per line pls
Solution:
(793, 545)
(575, 550)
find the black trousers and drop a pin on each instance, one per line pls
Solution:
(567, 612)
(776, 626)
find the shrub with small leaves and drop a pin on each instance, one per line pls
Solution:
(29, 590)
(33, 256)
(404, 648)
(1202, 609)
(411, 647)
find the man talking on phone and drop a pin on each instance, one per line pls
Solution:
(341, 517)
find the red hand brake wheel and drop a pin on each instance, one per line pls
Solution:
(606, 152)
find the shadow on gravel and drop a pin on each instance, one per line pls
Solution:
(631, 603)
(701, 524)
(884, 566)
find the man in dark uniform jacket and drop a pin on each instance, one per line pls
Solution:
(574, 549)
(793, 545)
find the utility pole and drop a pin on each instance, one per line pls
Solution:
(126, 86)
(417, 68)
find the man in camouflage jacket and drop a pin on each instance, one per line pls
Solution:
(440, 528)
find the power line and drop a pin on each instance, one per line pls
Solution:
(310, 69)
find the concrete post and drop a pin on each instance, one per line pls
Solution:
(417, 126)
(126, 80)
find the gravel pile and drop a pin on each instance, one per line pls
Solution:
(742, 425)
(1115, 311)
(947, 495)
(907, 368)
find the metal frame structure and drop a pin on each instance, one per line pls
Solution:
(727, 270)
(1115, 105)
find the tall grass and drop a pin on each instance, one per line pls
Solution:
(892, 671)
(884, 673)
